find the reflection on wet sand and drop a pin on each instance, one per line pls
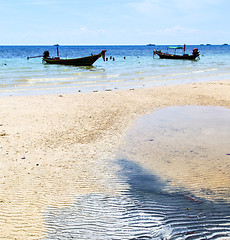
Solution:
(144, 211)
(186, 146)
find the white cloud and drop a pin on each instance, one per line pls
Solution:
(162, 6)
(29, 3)
(149, 6)
(177, 30)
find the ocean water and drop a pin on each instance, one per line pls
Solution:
(132, 67)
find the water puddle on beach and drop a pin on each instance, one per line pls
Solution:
(187, 146)
(175, 166)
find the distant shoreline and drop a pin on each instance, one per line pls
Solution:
(101, 45)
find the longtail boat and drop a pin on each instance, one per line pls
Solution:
(193, 56)
(84, 61)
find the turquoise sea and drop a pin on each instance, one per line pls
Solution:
(132, 67)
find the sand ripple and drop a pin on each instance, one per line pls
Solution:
(145, 211)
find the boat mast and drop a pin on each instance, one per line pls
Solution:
(57, 49)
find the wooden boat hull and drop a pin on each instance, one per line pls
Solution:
(85, 61)
(174, 56)
(169, 56)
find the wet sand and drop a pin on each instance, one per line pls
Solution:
(187, 146)
(54, 147)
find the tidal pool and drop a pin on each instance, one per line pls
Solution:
(174, 169)
(187, 146)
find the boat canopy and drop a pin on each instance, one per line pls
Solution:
(175, 47)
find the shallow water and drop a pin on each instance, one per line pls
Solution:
(187, 146)
(156, 203)
(20, 76)
(145, 212)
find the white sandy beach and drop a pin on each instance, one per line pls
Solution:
(53, 146)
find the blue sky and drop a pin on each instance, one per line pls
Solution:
(108, 22)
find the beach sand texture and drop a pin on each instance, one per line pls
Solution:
(53, 146)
